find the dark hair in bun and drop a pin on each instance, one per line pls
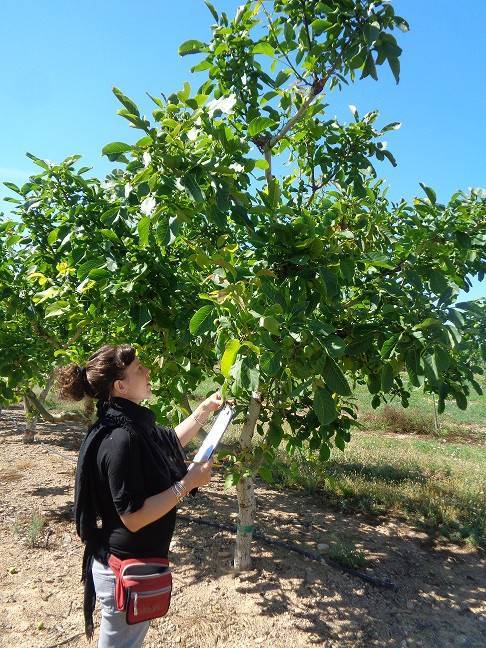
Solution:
(95, 379)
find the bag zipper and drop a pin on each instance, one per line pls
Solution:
(167, 570)
(141, 576)
(144, 594)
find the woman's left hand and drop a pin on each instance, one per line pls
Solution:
(212, 403)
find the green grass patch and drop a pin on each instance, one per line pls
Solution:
(420, 413)
(438, 487)
(345, 554)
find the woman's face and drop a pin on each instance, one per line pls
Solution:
(135, 386)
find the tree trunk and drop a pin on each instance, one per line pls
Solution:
(30, 422)
(47, 388)
(436, 418)
(246, 494)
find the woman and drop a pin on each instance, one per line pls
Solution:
(131, 474)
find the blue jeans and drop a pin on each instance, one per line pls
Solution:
(115, 632)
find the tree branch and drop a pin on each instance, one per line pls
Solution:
(48, 416)
(268, 157)
(76, 335)
(45, 336)
(317, 88)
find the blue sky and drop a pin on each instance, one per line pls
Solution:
(60, 58)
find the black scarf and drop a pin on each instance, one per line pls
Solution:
(117, 412)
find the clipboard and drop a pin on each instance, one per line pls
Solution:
(215, 434)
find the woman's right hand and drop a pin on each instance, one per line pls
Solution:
(199, 474)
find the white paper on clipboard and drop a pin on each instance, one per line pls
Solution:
(215, 434)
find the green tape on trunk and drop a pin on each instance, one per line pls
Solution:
(245, 529)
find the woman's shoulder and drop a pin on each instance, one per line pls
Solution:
(119, 438)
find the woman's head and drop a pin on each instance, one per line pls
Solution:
(110, 371)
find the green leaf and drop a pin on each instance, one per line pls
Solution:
(389, 345)
(356, 347)
(427, 323)
(128, 103)
(200, 317)
(438, 282)
(52, 238)
(57, 308)
(394, 64)
(374, 383)
(264, 48)
(442, 359)
(430, 368)
(320, 25)
(461, 400)
(192, 47)
(109, 234)
(261, 164)
(38, 161)
(211, 8)
(230, 480)
(324, 406)
(330, 282)
(289, 32)
(252, 347)
(369, 68)
(339, 440)
(115, 148)
(271, 363)
(266, 474)
(143, 229)
(13, 187)
(190, 183)
(456, 317)
(83, 270)
(412, 362)
(281, 78)
(109, 216)
(335, 346)
(141, 316)
(375, 401)
(324, 452)
(334, 378)
(259, 124)
(472, 305)
(386, 377)
(431, 195)
(477, 387)
(99, 273)
(229, 356)
(271, 324)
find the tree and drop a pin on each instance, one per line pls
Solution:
(288, 284)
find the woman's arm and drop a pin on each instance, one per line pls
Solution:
(160, 504)
(189, 427)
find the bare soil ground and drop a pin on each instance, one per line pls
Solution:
(284, 601)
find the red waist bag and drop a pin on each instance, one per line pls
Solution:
(143, 587)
